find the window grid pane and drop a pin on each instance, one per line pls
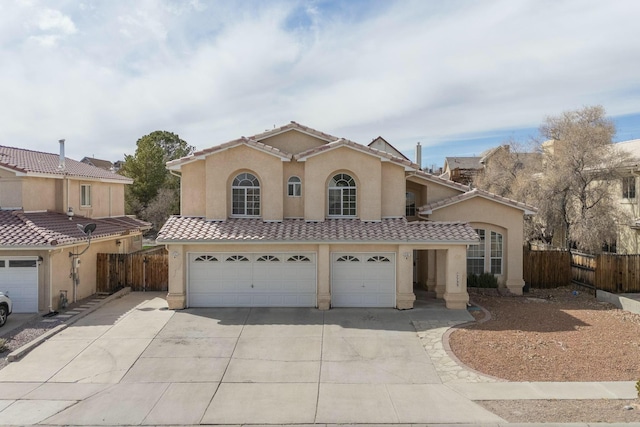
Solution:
(496, 253)
(475, 255)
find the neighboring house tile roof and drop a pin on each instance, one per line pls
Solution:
(38, 163)
(464, 162)
(428, 209)
(197, 229)
(26, 230)
(99, 163)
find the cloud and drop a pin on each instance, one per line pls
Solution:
(411, 71)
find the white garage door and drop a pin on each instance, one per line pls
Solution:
(252, 280)
(19, 277)
(363, 280)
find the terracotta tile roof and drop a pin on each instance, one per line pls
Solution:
(198, 155)
(296, 126)
(440, 180)
(427, 209)
(197, 229)
(20, 229)
(36, 162)
(464, 162)
(363, 148)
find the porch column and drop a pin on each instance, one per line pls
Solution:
(456, 296)
(177, 296)
(324, 274)
(512, 260)
(440, 261)
(404, 278)
(431, 269)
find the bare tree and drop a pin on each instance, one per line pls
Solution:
(571, 182)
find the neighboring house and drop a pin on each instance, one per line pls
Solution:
(297, 217)
(45, 199)
(629, 198)
(461, 169)
(99, 163)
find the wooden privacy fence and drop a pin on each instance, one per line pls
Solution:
(142, 271)
(608, 272)
(546, 269)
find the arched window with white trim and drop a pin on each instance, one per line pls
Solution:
(294, 187)
(245, 196)
(342, 196)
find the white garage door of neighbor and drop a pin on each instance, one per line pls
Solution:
(363, 280)
(252, 280)
(19, 278)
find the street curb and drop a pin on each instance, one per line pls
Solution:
(20, 352)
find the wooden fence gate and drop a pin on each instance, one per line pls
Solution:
(142, 271)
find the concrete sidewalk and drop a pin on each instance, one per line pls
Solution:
(133, 362)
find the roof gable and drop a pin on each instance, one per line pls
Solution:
(428, 209)
(251, 143)
(36, 163)
(382, 144)
(383, 156)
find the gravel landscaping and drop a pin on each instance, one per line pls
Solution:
(552, 335)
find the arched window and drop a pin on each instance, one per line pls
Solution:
(342, 195)
(245, 195)
(294, 187)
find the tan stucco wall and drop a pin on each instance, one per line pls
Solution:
(10, 191)
(192, 189)
(293, 142)
(502, 218)
(223, 167)
(364, 169)
(293, 206)
(393, 196)
(39, 194)
(55, 267)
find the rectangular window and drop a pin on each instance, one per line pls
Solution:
(410, 204)
(496, 253)
(22, 263)
(85, 195)
(629, 187)
(475, 255)
(1, 263)
(294, 187)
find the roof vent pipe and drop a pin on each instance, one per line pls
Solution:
(61, 166)
(419, 155)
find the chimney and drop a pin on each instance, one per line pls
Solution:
(61, 165)
(419, 155)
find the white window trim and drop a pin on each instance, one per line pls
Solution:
(244, 194)
(82, 195)
(292, 185)
(342, 208)
(501, 257)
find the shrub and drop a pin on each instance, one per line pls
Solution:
(638, 387)
(484, 280)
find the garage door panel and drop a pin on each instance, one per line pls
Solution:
(263, 280)
(21, 283)
(363, 280)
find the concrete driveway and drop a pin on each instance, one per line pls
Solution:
(135, 362)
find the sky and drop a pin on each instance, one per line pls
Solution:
(457, 76)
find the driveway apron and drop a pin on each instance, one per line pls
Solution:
(135, 362)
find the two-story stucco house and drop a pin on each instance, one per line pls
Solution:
(297, 217)
(46, 201)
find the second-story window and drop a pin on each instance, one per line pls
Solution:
(245, 195)
(629, 187)
(410, 207)
(342, 195)
(85, 195)
(294, 187)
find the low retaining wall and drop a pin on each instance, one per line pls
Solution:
(619, 301)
